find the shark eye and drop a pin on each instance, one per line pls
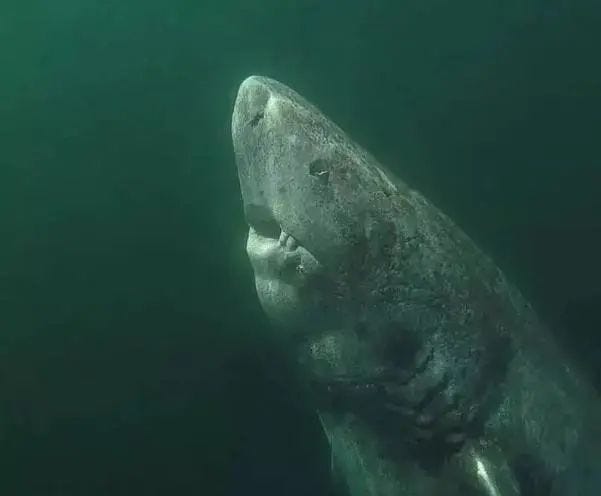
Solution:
(319, 169)
(262, 221)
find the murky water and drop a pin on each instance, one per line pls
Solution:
(134, 358)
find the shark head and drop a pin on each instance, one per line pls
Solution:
(315, 202)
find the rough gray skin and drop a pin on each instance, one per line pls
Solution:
(430, 372)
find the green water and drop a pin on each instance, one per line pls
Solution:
(134, 358)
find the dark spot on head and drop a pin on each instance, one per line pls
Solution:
(282, 189)
(257, 117)
(383, 237)
(319, 168)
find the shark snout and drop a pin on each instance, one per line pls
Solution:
(251, 103)
(297, 172)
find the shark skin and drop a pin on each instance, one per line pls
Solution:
(430, 373)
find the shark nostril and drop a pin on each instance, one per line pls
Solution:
(256, 118)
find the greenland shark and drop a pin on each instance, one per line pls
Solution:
(429, 371)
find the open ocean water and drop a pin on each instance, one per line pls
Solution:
(134, 357)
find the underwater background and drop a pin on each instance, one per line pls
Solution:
(134, 357)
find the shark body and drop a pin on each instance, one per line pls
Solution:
(430, 372)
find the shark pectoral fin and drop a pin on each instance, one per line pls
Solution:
(485, 470)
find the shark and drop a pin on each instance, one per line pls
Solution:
(429, 371)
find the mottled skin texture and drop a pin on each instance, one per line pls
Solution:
(430, 372)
